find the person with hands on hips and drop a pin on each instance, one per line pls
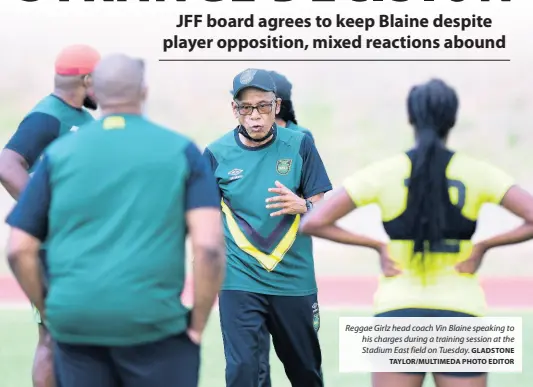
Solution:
(430, 198)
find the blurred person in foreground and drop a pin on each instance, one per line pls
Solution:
(430, 198)
(268, 177)
(55, 115)
(116, 225)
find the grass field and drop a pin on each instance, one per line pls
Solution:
(337, 296)
(18, 335)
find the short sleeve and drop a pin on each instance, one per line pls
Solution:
(210, 159)
(308, 132)
(202, 189)
(495, 184)
(315, 179)
(33, 135)
(363, 186)
(30, 214)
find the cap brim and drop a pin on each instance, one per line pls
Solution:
(251, 85)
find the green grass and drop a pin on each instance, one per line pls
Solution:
(18, 337)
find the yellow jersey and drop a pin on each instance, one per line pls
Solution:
(436, 284)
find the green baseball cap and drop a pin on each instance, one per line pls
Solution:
(256, 78)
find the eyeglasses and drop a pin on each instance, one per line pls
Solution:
(262, 108)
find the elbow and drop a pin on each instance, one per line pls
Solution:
(214, 257)
(22, 248)
(14, 256)
(309, 225)
(303, 228)
(8, 169)
(4, 172)
(217, 256)
(528, 217)
(15, 250)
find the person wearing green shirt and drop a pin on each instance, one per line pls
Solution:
(287, 116)
(115, 202)
(269, 177)
(59, 113)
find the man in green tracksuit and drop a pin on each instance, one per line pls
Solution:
(268, 176)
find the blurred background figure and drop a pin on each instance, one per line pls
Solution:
(286, 116)
(116, 227)
(60, 112)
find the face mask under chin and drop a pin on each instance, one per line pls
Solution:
(89, 103)
(243, 131)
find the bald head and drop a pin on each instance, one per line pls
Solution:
(119, 80)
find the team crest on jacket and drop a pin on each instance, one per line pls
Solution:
(283, 166)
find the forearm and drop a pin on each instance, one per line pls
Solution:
(14, 180)
(27, 271)
(208, 272)
(337, 234)
(316, 199)
(520, 234)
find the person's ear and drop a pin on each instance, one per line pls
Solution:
(87, 81)
(234, 107)
(278, 105)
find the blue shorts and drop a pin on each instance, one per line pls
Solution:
(419, 312)
(173, 361)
